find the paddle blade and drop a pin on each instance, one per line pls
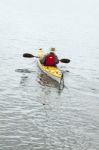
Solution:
(65, 60)
(28, 55)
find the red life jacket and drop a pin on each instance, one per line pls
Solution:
(50, 60)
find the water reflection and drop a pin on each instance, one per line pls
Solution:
(24, 77)
(46, 81)
(23, 80)
(23, 71)
(27, 79)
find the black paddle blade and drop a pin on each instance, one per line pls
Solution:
(28, 55)
(65, 60)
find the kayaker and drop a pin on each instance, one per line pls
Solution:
(50, 59)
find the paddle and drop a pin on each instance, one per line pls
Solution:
(64, 60)
(31, 56)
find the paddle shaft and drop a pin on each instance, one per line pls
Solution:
(27, 55)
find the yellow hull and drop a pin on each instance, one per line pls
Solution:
(53, 72)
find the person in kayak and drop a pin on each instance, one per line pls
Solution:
(50, 59)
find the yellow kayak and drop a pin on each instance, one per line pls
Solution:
(53, 72)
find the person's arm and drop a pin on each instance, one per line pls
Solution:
(56, 59)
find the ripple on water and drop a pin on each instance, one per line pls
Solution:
(24, 71)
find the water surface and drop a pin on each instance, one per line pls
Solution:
(34, 114)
